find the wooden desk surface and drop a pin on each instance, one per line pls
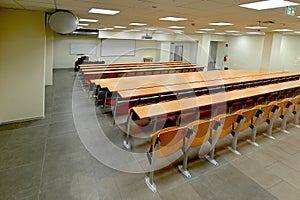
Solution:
(142, 70)
(161, 109)
(133, 67)
(138, 92)
(127, 83)
(132, 64)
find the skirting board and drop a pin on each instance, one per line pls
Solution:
(22, 120)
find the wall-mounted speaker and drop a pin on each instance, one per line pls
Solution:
(63, 22)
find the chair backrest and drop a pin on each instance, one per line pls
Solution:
(202, 131)
(169, 140)
(267, 109)
(283, 106)
(249, 114)
(229, 122)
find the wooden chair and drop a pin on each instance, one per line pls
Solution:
(285, 108)
(296, 109)
(232, 124)
(270, 112)
(166, 142)
(252, 120)
(205, 131)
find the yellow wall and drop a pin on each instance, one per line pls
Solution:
(22, 63)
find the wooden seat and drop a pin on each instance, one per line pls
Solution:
(270, 112)
(285, 108)
(232, 124)
(252, 120)
(164, 143)
(295, 109)
(205, 131)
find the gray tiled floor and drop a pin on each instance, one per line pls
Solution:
(45, 159)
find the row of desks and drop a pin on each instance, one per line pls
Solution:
(133, 64)
(194, 86)
(175, 106)
(126, 67)
(133, 83)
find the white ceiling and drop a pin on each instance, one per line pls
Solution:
(198, 12)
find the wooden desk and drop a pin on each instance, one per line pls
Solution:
(127, 83)
(101, 69)
(134, 64)
(154, 110)
(161, 89)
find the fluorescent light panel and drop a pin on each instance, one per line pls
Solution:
(232, 31)
(103, 11)
(120, 27)
(174, 19)
(220, 33)
(82, 24)
(200, 32)
(282, 30)
(179, 27)
(207, 29)
(220, 24)
(106, 29)
(255, 27)
(254, 33)
(269, 4)
(88, 20)
(137, 24)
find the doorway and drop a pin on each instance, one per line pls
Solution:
(212, 59)
(178, 52)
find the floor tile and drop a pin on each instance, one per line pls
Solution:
(285, 191)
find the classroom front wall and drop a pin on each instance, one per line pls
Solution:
(22, 63)
(63, 58)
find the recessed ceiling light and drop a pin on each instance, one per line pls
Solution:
(103, 11)
(137, 24)
(88, 20)
(232, 31)
(174, 19)
(106, 29)
(179, 27)
(207, 29)
(255, 27)
(79, 27)
(298, 16)
(269, 4)
(120, 27)
(298, 32)
(150, 29)
(82, 24)
(220, 33)
(220, 24)
(254, 33)
(132, 30)
(178, 31)
(236, 34)
(282, 30)
(200, 32)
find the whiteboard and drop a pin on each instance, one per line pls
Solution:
(86, 49)
(115, 47)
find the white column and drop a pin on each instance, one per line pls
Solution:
(270, 59)
(203, 50)
(165, 49)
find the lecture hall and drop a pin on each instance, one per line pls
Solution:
(148, 99)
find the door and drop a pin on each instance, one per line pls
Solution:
(178, 52)
(212, 59)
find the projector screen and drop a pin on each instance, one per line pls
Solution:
(115, 47)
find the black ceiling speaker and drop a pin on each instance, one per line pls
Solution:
(63, 22)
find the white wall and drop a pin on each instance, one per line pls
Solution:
(244, 52)
(22, 64)
(49, 57)
(143, 48)
(63, 59)
(290, 53)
